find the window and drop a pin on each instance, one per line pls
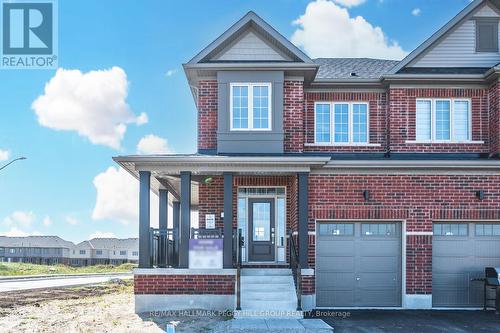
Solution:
(250, 106)
(487, 229)
(82, 251)
(98, 252)
(442, 120)
(12, 251)
(450, 229)
(347, 124)
(486, 35)
(378, 229)
(135, 253)
(336, 229)
(123, 253)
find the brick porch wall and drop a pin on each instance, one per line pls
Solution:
(402, 118)
(418, 199)
(184, 284)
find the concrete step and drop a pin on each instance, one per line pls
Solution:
(266, 305)
(268, 296)
(271, 287)
(266, 271)
(266, 279)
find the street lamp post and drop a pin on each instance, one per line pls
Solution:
(16, 159)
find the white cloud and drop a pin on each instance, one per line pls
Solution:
(118, 198)
(101, 234)
(93, 104)
(327, 30)
(170, 72)
(4, 155)
(349, 3)
(416, 12)
(71, 220)
(152, 144)
(19, 219)
(15, 232)
(47, 221)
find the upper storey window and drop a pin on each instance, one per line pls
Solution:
(250, 106)
(341, 123)
(443, 120)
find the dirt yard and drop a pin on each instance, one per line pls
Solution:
(102, 308)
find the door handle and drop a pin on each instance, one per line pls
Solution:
(358, 278)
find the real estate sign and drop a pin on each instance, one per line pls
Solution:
(205, 253)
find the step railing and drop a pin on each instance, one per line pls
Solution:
(238, 243)
(295, 267)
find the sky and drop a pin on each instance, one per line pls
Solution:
(120, 89)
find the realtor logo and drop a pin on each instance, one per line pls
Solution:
(28, 34)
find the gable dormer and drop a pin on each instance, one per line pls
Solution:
(238, 82)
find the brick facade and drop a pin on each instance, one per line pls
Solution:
(494, 97)
(416, 199)
(293, 116)
(207, 115)
(184, 284)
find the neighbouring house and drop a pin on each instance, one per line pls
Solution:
(385, 175)
(51, 250)
(47, 250)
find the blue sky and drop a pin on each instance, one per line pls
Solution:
(53, 191)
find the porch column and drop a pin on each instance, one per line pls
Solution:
(144, 223)
(185, 219)
(228, 220)
(303, 227)
(176, 217)
(163, 225)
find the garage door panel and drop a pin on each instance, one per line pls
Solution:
(458, 260)
(339, 298)
(335, 264)
(375, 259)
(336, 281)
(378, 264)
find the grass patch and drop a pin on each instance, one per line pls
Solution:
(16, 268)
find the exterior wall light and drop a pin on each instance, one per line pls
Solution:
(480, 194)
(366, 195)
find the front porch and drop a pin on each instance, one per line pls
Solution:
(255, 208)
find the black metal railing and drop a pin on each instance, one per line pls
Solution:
(164, 248)
(206, 233)
(295, 266)
(238, 243)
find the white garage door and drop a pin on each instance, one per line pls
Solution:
(460, 252)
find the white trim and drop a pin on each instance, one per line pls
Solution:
(343, 144)
(433, 102)
(183, 271)
(419, 233)
(350, 124)
(307, 271)
(250, 86)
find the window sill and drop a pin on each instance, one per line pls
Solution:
(343, 144)
(446, 142)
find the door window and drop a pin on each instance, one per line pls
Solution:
(261, 221)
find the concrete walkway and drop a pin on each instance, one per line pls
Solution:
(278, 325)
(51, 282)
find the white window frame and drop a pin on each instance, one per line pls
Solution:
(452, 101)
(250, 87)
(350, 141)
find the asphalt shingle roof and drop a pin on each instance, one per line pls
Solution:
(35, 241)
(341, 68)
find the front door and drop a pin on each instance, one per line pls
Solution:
(261, 230)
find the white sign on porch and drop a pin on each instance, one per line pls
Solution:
(210, 221)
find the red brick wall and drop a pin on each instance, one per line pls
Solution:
(207, 114)
(417, 199)
(377, 105)
(184, 284)
(293, 116)
(402, 118)
(308, 285)
(494, 95)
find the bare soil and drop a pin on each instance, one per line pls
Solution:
(100, 308)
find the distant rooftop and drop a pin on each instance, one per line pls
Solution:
(361, 68)
(58, 242)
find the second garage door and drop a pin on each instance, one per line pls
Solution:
(358, 264)
(460, 252)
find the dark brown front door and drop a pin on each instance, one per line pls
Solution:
(261, 229)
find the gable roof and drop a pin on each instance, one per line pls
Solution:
(441, 33)
(363, 68)
(35, 241)
(250, 21)
(114, 243)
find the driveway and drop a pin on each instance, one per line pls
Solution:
(53, 282)
(374, 321)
